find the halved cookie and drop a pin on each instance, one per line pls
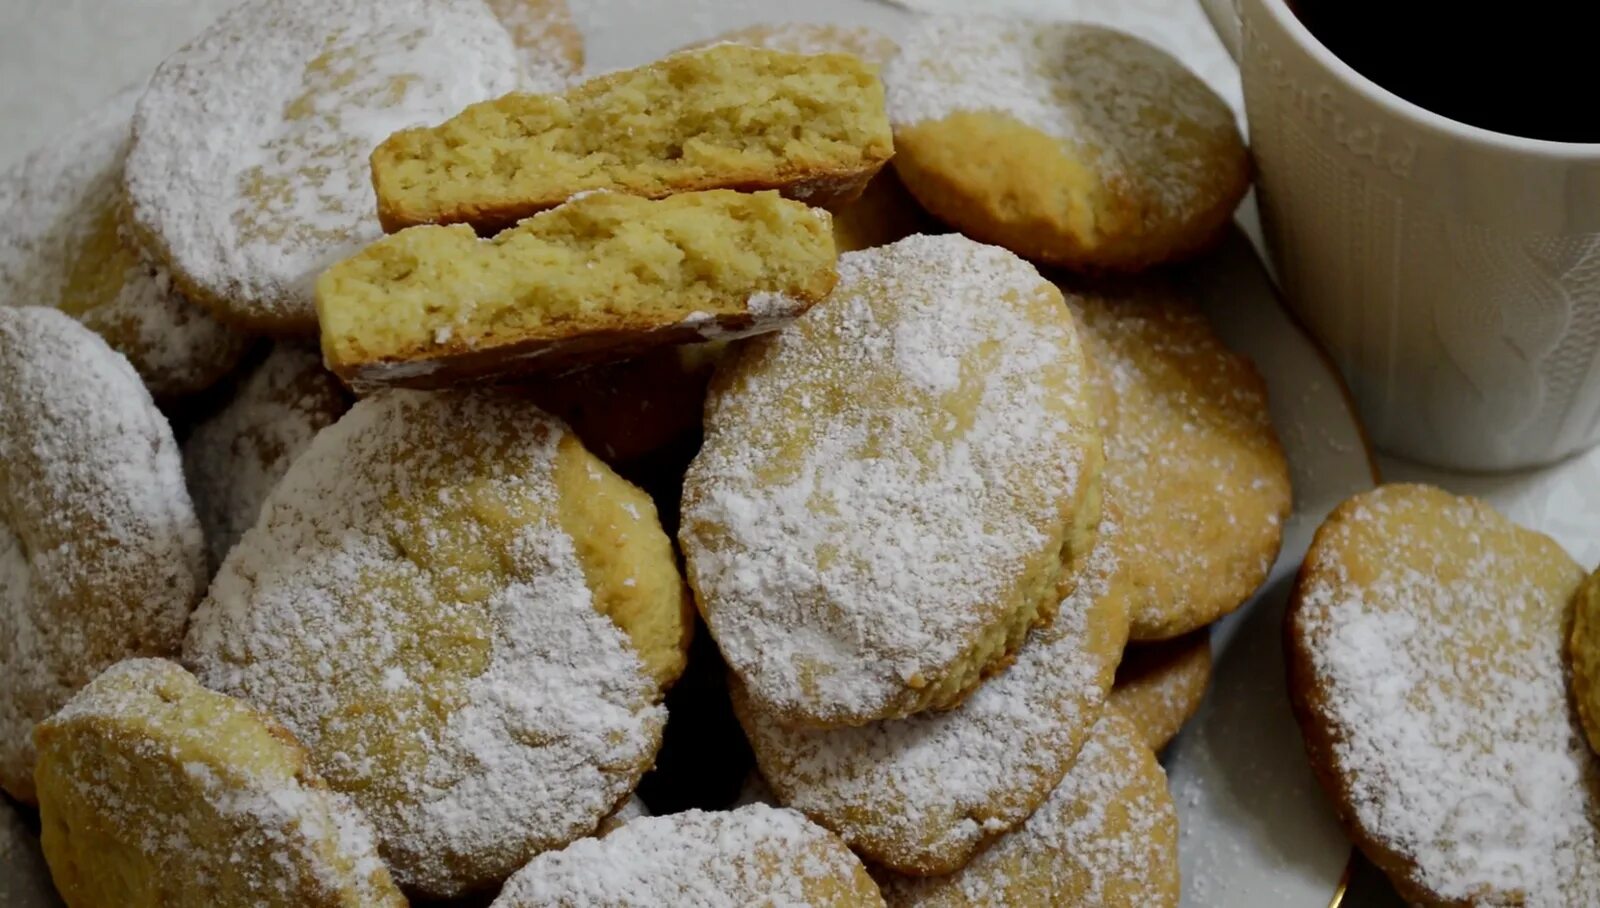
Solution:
(725, 117)
(599, 278)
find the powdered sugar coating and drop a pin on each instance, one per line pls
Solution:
(1130, 110)
(61, 246)
(248, 172)
(100, 552)
(1426, 639)
(756, 855)
(877, 479)
(157, 791)
(922, 794)
(1107, 836)
(410, 607)
(234, 458)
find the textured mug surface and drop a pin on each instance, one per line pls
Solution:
(1452, 272)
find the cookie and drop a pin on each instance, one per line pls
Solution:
(484, 619)
(725, 117)
(1191, 454)
(61, 246)
(1424, 642)
(755, 855)
(598, 278)
(1107, 836)
(248, 171)
(1584, 651)
(1160, 685)
(888, 488)
(627, 411)
(155, 791)
(547, 39)
(234, 457)
(923, 795)
(24, 877)
(100, 552)
(1067, 143)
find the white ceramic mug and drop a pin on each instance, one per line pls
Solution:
(1453, 272)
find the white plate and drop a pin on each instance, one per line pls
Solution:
(1255, 829)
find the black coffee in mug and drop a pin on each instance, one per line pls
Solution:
(1522, 67)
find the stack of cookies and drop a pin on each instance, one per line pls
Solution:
(947, 476)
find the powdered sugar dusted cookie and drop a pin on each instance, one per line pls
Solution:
(483, 619)
(248, 172)
(888, 489)
(922, 795)
(235, 457)
(1068, 143)
(1160, 685)
(547, 39)
(100, 552)
(61, 246)
(1425, 641)
(1191, 456)
(1107, 836)
(755, 855)
(156, 791)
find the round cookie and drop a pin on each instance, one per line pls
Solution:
(1584, 651)
(1160, 685)
(154, 791)
(100, 551)
(1191, 455)
(24, 877)
(922, 795)
(547, 40)
(888, 488)
(1107, 836)
(755, 855)
(483, 618)
(61, 246)
(1424, 642)
(234, 457)
(1067, 143)
(248, 171)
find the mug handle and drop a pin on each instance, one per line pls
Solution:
(1224, 16)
